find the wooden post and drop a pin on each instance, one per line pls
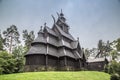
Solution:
(79, 64)
(58, 64)
(46, 61)
(65, 61)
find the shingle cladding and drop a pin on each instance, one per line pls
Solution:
(41, 49)
(54, 47)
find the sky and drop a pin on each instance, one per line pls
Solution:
(90, 20)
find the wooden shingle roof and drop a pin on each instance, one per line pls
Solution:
(55, 42)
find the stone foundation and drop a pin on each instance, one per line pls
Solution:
(35, 68)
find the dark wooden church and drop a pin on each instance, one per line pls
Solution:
(55, 49)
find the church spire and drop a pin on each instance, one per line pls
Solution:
(62, 16)
(61, 22)
(45, 24)
(40, 28)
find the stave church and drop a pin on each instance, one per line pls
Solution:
(55, 49)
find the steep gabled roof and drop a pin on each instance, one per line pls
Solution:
(63, 22)
(50, 31)
(40, 38)
(69, 36)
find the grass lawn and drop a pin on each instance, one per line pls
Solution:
(81, 75)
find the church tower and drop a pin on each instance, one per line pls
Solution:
(62, 22)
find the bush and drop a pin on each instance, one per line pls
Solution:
(115, 77)
(1, 70)
(7, 63)
(112, 68)
(18, 55)
(106, 68)
(10, 64)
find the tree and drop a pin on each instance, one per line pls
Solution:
(100, 48)
(12, 63)
(28, 38)
(118, 44)
(18, 55)
(1, 42)
(114, 54)
(107, 48)
(11, 37)
(7, 63)
(113, 67)
(103, 49)
(116, 49)
(93, 52)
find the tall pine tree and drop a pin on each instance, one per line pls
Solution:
(11, 37)
(1, 42)
(28, 38)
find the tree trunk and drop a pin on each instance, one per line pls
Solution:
(10, 49)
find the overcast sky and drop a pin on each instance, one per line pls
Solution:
(90, 20)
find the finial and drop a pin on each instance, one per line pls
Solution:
(45, 24)
(61, 10)
(40, 28)
(82, 49)
(61, 14)
(53, 18)
(78, 38)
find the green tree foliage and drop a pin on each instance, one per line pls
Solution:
(116, 44)
(28, 38)
(115, 77)
(7, 63)
(101, 48)
(113, 67)
(12, 63)
(114, 54)
(100, 45)
(1, 42)
(18, 55)
(104, 49)
(11, 37)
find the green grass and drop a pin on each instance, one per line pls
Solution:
(81, 75)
